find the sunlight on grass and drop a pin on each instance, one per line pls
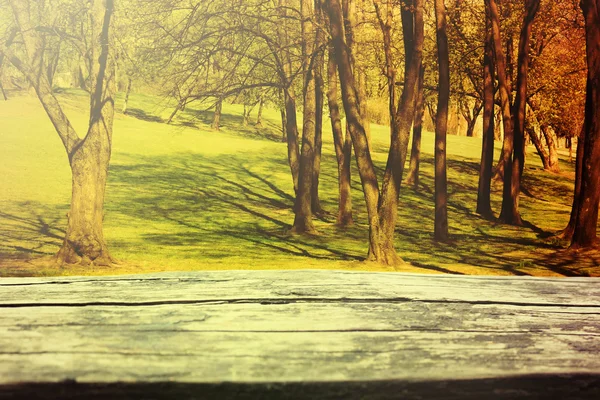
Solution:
(184, 197)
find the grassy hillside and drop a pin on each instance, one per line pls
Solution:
(184, 197)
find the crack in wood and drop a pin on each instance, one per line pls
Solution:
(276, 301)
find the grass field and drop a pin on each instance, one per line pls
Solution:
(183, 197)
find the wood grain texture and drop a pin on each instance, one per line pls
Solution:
(231, 333)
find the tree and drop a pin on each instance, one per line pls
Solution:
(510, 201)
(484, 207)
(381, 207)
(342, 144)
(441, 125)
(504, 89)
(89, 156)
(584, 234)
(415, 151)
(513, 119)
(303, 206)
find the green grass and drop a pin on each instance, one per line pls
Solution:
(183, 197)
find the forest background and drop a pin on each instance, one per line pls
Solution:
(299, 134)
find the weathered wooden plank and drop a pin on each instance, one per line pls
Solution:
(252, 285)
(425, 336)
(296, 342)
(307, 317)
(129, 355)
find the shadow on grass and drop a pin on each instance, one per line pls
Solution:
(142, 115)
(26, 232)
(238, 206)
(216, 207)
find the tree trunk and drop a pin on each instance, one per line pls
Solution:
(84, 240)
(484, 187)
(431, 111)
(553, 164)
(364, 108)
(567, 233)
(441, 185)
(303, 207)
(510, 211)
(127, 92)
(380, 249)
(246, 116)
(288, 112)
(586, 223)
(471, 116)
(216, 122)
(538, 146)
(315, 202)
(342, 144)
(180, 106)
(507, 142)
(402, 120)
(319, 61)
(507, 148)
(283, 124)
(349, 11)
(415, 152)
(381, 210)
(497, 127)
(52, 64)
(292, 136)
(261, 104)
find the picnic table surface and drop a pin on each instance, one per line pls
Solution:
(299, 334)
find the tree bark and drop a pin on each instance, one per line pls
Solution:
(342, 144)
(441, 185)
(484, 187)
(584, 234)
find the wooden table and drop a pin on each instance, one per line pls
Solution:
(299, 334)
